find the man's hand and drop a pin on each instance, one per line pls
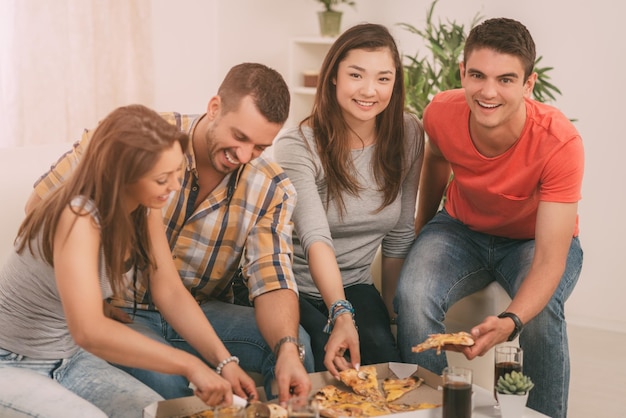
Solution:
(491, 331)
(291, 376)
(113, 312)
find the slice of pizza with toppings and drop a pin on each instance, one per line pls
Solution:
(395, 407)
(439, 340)
(396, 388)
(363, 382)
(335, 403)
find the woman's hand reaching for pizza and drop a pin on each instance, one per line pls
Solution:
(343, 338)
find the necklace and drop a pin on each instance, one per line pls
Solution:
(371, 138)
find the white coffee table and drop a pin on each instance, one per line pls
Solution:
(484, 405)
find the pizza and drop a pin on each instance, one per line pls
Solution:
(363, 399)
(334, 402)
(363, 381)
(396, 388)
(439, 340)
(202, 414)
(403, 407)
(366, 399)
(269, 410)
(276, 411)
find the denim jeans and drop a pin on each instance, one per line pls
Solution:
(236, 327)
(447, 262)
(80, 386)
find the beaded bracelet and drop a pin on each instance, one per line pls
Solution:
(224, 362)
(340, 307)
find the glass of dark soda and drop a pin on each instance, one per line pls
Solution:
(507, 359)
(457, 392)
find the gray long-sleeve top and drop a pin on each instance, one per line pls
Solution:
(356, 237)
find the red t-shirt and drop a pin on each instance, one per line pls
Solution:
(500, 195)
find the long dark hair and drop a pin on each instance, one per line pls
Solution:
(123, 148)
(331, 131)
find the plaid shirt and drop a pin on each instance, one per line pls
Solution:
(245, 221)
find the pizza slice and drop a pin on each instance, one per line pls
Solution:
(439, 340)
(334, 403)
(363, 381)
(396, 388)
(202, 414)
(402, 407)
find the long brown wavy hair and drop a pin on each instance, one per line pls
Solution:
(123, 148)
(331, 131)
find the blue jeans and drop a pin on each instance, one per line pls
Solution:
(236, 327)
(377, 343)
(80, 386)
(447, 262)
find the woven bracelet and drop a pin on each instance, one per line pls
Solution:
(340, 307)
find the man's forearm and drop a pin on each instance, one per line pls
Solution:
(277, 315)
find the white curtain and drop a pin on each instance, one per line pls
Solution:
(65, 64)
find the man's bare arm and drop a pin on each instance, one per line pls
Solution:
(277, 315)
(433, 181)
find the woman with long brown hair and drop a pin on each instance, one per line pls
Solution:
(100, 232)
(355, 163)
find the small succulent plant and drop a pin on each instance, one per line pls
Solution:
(514, 383)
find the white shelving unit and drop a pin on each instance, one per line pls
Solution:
(305, 54)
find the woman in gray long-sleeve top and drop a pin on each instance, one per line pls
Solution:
(355, 163)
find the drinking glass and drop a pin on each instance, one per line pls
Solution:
(507, 359)
(302, 407)
(457, 392)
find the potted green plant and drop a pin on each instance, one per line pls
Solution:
(330, 17)
(512, 390)
(426, 76)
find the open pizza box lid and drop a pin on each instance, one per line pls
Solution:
(429, 392)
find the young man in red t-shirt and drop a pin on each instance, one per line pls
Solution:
(510, 214)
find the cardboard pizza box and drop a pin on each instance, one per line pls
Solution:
(429, 391)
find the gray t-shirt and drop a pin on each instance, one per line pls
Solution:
(32, 321)
(356, 237)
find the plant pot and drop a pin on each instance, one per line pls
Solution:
(330, 23)
(512, 406)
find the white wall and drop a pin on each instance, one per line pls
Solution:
(583, 40)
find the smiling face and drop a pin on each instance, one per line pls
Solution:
(495, 89)
(154, 188)
(236, 137)
(365, 80)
